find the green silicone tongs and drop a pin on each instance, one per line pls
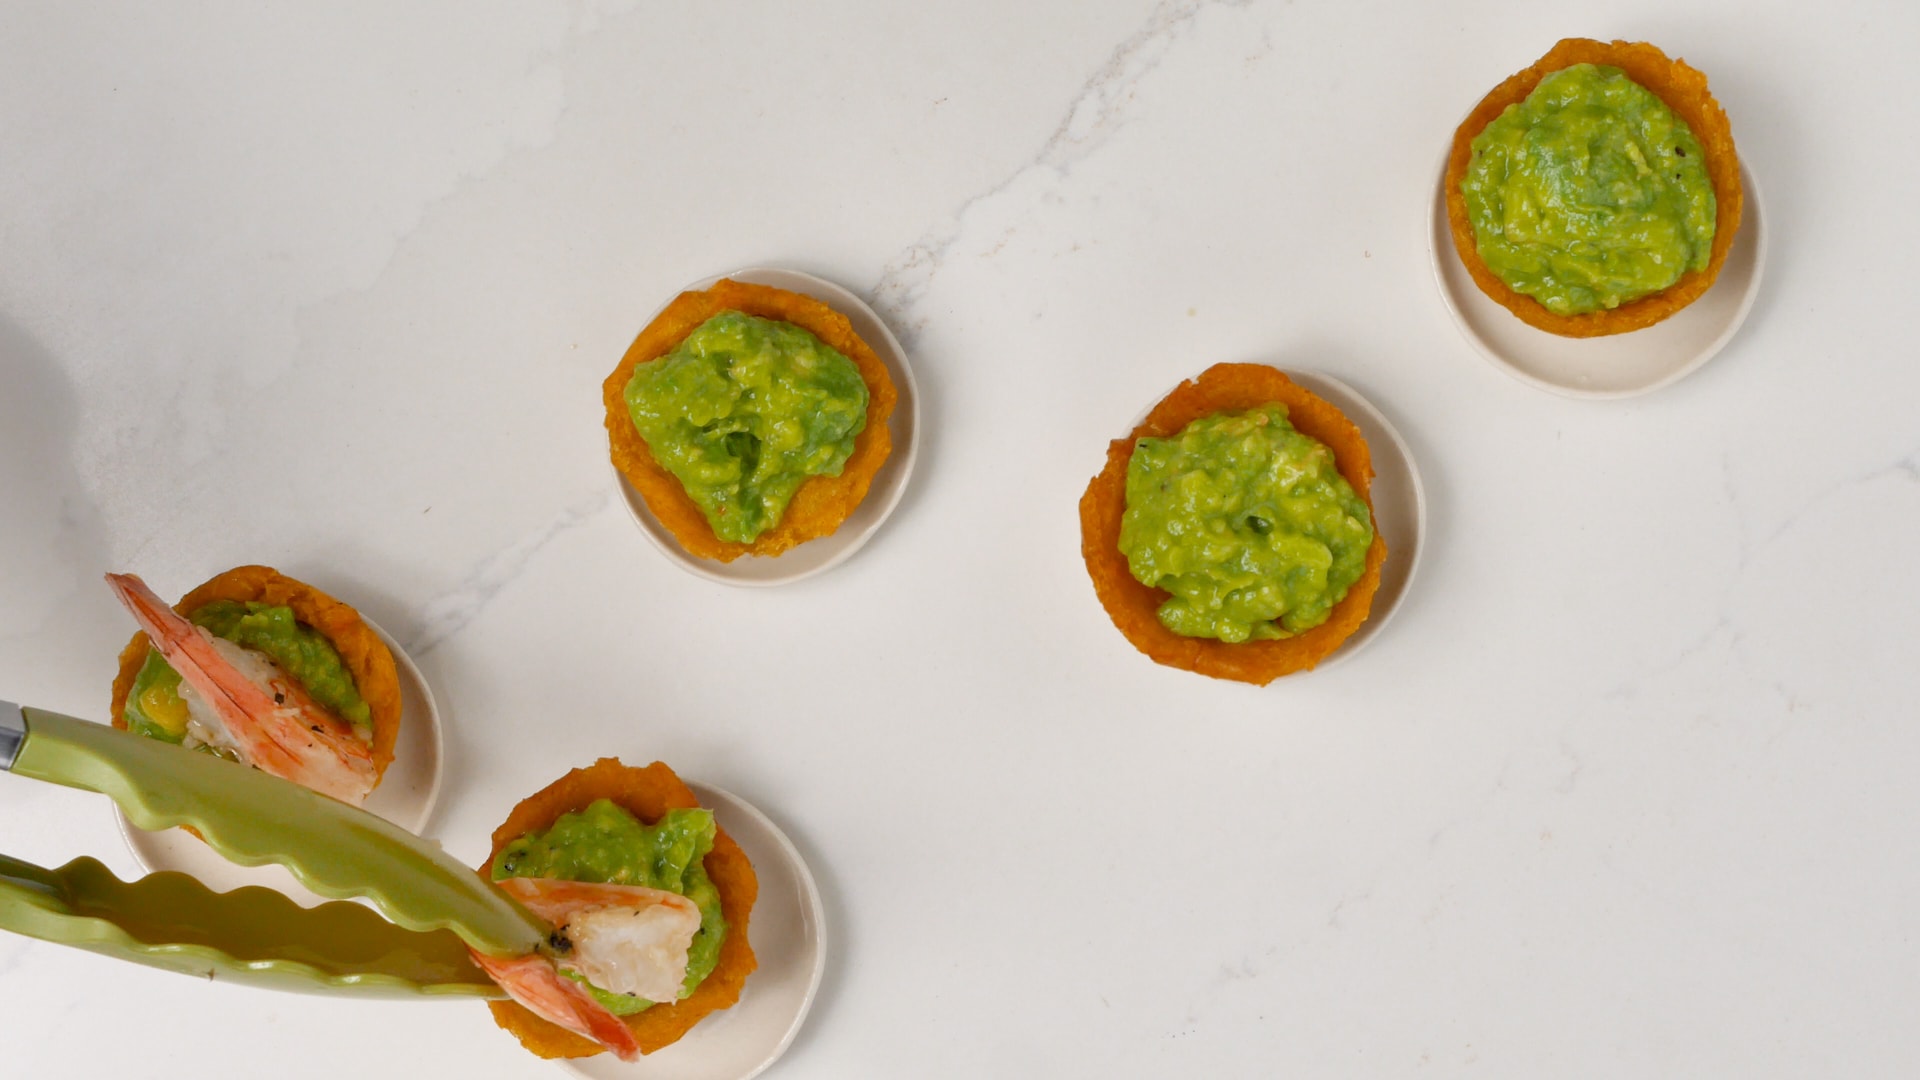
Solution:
(437, 907)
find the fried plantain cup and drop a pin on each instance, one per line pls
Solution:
(820, 504)
(1684, 90)
(1134, 607)
(647, 794)
(366, 656)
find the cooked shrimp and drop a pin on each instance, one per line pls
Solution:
(626, 939)
(252, 706)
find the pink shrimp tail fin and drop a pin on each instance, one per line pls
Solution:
(185, 648)
(162, 623)
(535, 983)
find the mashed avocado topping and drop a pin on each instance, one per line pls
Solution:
(605, 844)
(745, 410)
(154, 707)
(1590, 193)
(1247, 523)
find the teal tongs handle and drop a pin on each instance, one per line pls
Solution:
(253, 935)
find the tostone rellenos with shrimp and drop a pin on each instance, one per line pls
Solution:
(266, 670)
(650, 901)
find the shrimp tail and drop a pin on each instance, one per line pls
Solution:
(276, 727)
(534, 982)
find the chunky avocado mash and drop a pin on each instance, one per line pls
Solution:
(1590, 193)
(154, 708)
(605, 844)
(1247, 523)
(745, 410)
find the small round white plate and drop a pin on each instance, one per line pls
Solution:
(789, 935)
(1399, 506)
(406, 797)
(1620, 365)
(814, 556)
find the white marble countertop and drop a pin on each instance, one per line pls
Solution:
(1625, 790)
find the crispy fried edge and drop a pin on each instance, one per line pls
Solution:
(1684, 90)
(1134, 607)
(365, 655)
(821, 503)
(647, 793)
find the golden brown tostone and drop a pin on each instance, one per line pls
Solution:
(822, 503)
(1134, 607)
(647, 794)
(1684, 90)
(365, 655)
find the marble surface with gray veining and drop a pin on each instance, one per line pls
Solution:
(1625, 790)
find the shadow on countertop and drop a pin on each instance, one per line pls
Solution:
(52, 540)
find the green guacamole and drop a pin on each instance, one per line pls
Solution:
(154, 708)
(1590, 193)
(1247, 523)
(605, 844)
(744, 411)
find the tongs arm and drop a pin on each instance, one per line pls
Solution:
(251, 818)
(254, 936)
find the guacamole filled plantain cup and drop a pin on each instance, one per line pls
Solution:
(1231, 533)
(612, 824)
(750, 419)
(1596, 192)
(263, 669)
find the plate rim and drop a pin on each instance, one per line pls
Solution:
(1377, 621)
(902, 458)
(1440, 248)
